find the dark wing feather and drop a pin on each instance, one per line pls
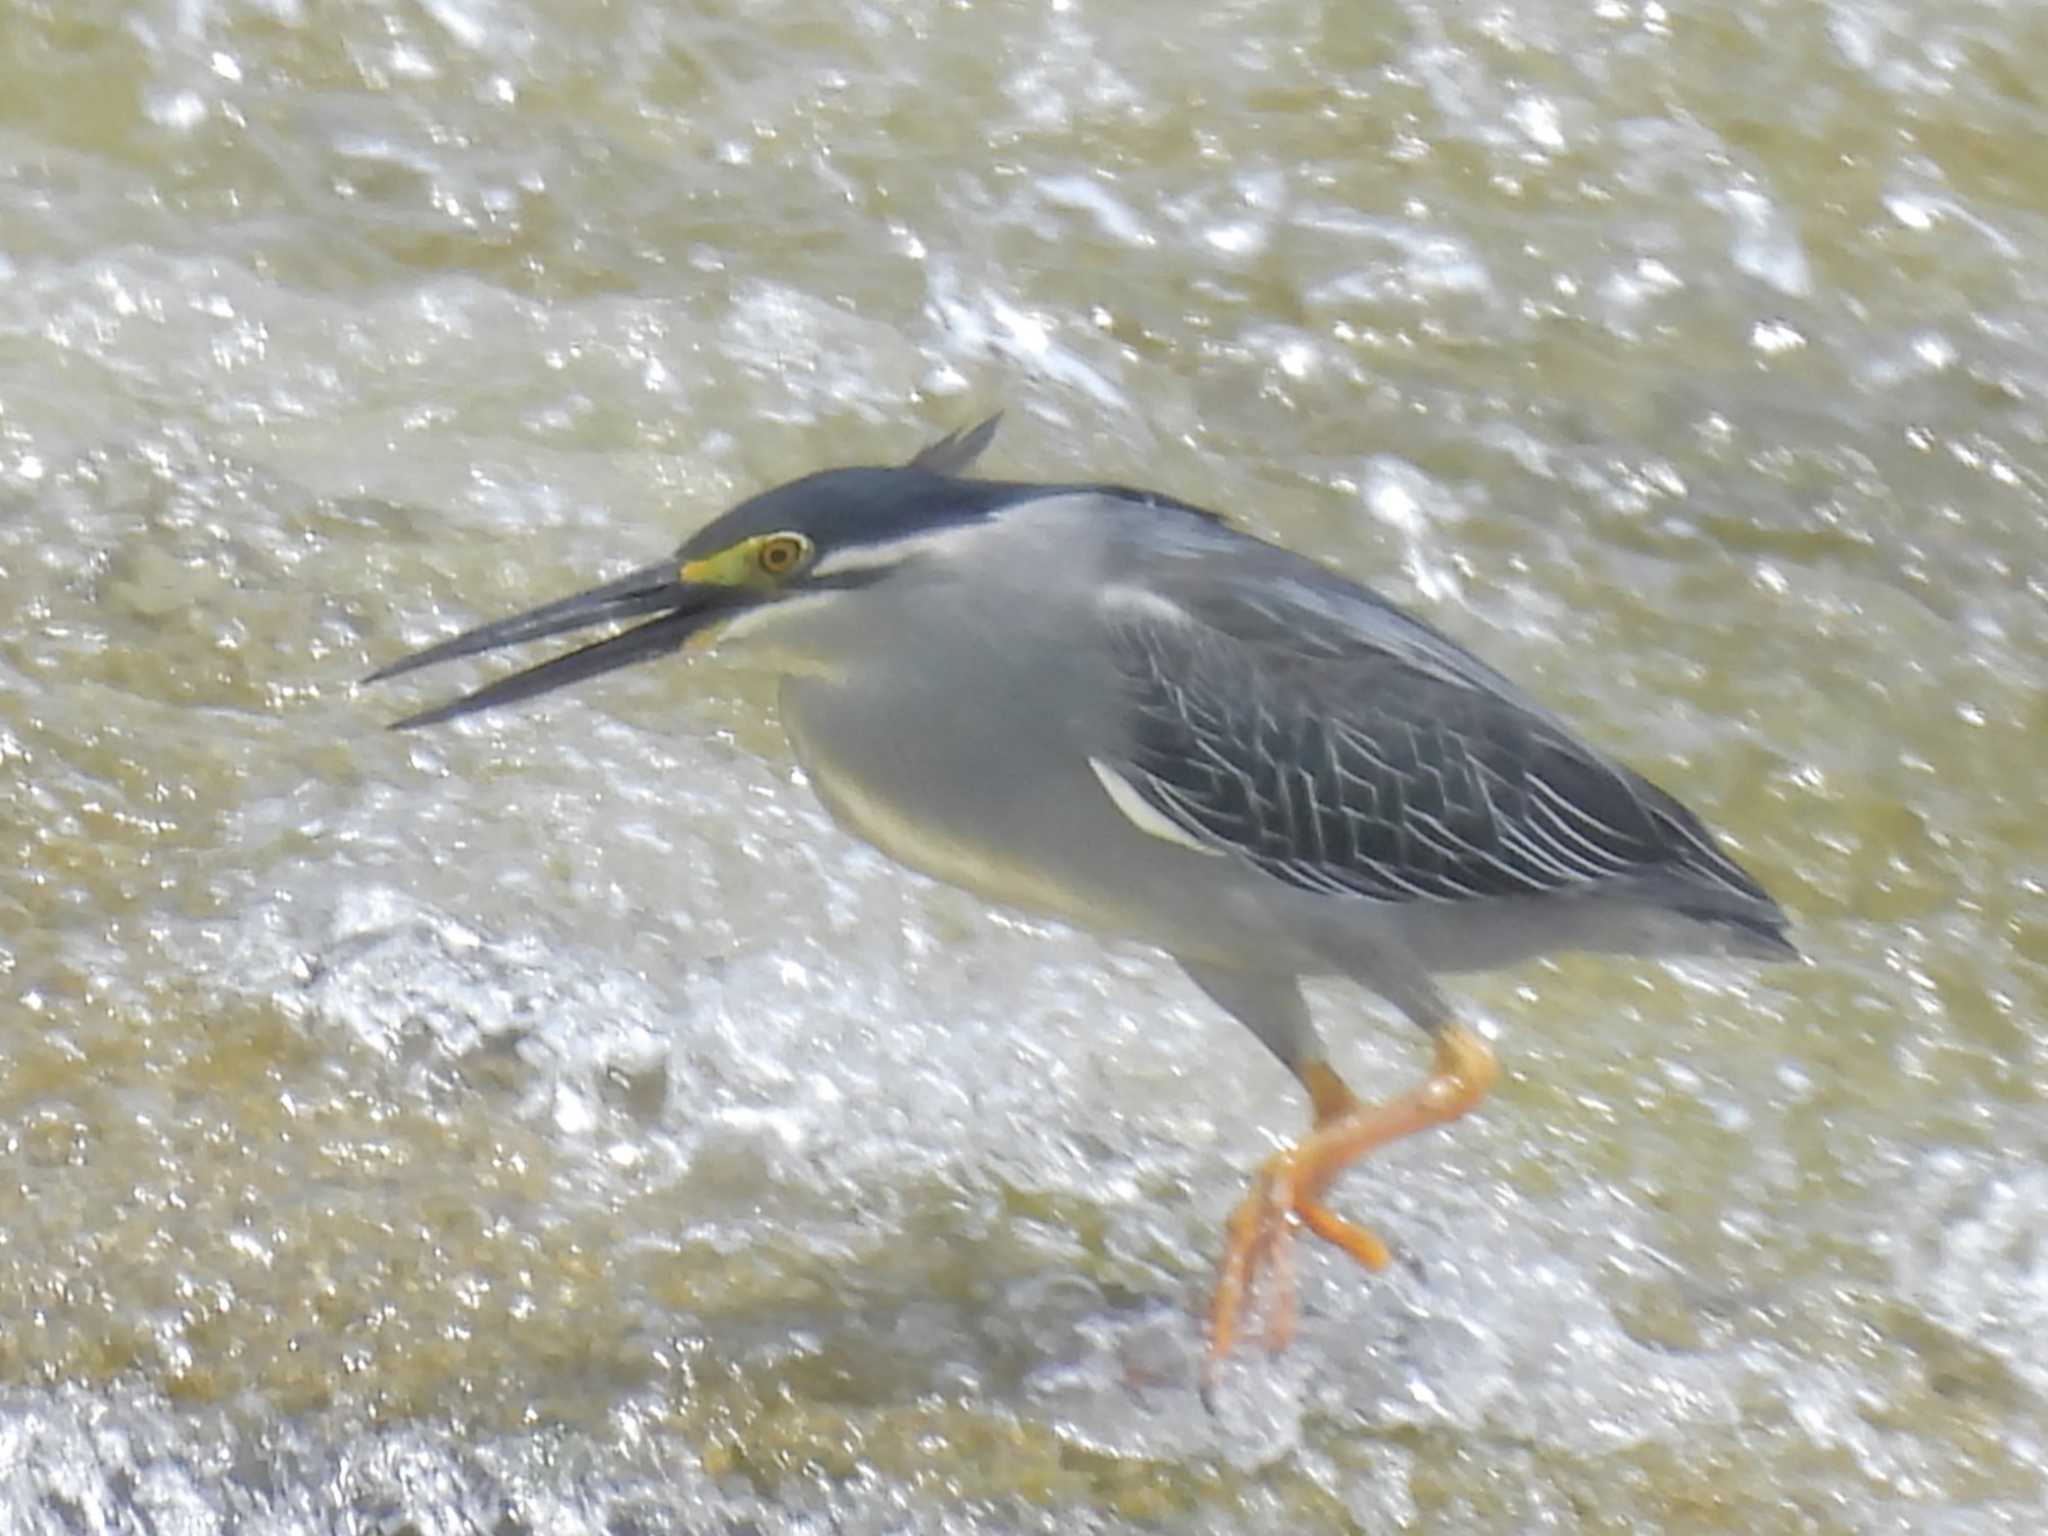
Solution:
(1347, 748)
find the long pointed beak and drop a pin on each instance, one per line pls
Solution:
(683, 609)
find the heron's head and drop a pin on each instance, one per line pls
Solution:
(814, 540)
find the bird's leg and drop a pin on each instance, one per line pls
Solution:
(1333, 1101)
(1290, 1184)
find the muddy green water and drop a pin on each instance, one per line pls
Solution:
(553, 1124)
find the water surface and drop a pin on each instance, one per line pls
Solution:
(553, 1123)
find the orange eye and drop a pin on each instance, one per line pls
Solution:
(778, 556)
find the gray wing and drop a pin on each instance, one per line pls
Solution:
(1279, 712)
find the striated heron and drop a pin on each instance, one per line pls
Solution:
(1109, 706)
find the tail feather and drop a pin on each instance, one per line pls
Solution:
(1752, 936)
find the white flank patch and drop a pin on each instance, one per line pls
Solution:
(1141, 815)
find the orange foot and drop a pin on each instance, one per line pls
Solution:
(1289, 1187)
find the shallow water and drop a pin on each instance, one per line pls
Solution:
(555, 1124)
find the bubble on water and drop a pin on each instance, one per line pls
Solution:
(1764, 243)
(180, 111)
(1419, 509)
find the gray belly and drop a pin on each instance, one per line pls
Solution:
(985, 784)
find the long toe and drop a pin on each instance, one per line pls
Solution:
(1362, 1244)
(1256, 1274)
(1258, 1230)
(1256, 1268)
